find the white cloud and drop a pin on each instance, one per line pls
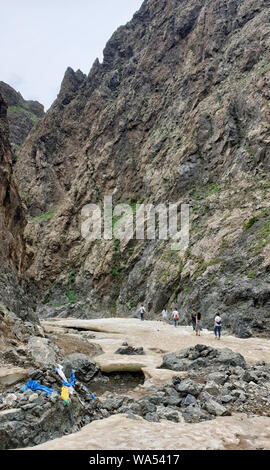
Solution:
(40, 39)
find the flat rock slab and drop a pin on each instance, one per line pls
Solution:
(223, 433)
(158, 339)
(127, 364)
(12, 376)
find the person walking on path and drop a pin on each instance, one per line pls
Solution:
(142, 312)
(217, 326)
(193, 320)
(198, 324)
(175, 317)
(164, 315)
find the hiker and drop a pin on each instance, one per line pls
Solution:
(198, 324)
(217, 326)
(175, 317)
(164, 315)
(142, 312)
(193, 320)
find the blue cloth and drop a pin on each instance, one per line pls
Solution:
(92, 394)
(72, 381)
(34, 385)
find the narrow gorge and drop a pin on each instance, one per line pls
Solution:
(176, 113)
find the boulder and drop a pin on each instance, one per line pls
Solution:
(202, 357)
(194, 414)
(156, 398)
(217, 377)
(212, 388)
(41, 351)
(152, 417)
(168, 413)
(143, 406)
(129, 350)
(189, 400)
(228, 357)
(112, 404)
(188, 387)
(226, 398)
(85, 368)
(12, 376)
(215, 408)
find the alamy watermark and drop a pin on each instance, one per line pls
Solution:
(140, 222)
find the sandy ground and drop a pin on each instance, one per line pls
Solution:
(156, 338)
(119, 432)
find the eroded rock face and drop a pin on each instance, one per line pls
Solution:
(15, 305)
(22, 114)
(177, 111)
(12, 219)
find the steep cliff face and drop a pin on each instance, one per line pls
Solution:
(177, 112)
(22, 115)
(11, 214)
(15, 306)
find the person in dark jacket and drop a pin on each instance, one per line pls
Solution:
(193, 320)
(198, 323)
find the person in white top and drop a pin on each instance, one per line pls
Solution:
(164, 315)
(217, 326)
(175, 317)
(142, 312)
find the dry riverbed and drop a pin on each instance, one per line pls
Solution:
(238, 431)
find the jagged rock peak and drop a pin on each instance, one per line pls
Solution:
(70, 84)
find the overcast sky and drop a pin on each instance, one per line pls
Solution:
(39, 39)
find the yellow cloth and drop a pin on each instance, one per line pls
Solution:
(64, 393)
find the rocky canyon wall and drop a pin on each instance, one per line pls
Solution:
(178, 111)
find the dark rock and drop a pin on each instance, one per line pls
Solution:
(143, 406)
(152, 417)
(130, 350)
(194, 414)
(202, 357)
(212, 388)
(168, 413)
(242, 331)
(189, 400)
(215, 408)
(172, 400)
(226, 398)
(112, 404)
(250, 377)
(157, 398)
(217, 377)
(188, 387)
(85, 368)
